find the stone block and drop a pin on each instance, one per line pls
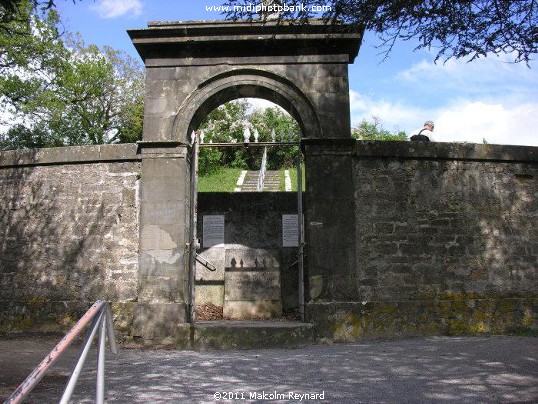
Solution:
(215, 256)
(163, 213)
(209, 292)
(162, 289)
(158, 321)
(252, 310)
(251, 285)
(160, 189)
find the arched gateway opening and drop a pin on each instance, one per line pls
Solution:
(240, 83)
(249, 260)
(193, 67)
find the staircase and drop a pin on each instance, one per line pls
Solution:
(251, 182)
(271, 182)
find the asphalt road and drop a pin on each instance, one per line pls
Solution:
(495, 369)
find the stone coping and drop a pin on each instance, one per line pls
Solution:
(213, 39)
(70, 155)
(361, 149)
(422, 150)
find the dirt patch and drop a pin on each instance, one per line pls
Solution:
(212, 312)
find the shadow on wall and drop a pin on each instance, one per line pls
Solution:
(457, 233)
(252, 268)
(64, 230)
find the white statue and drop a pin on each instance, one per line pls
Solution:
(246, 134)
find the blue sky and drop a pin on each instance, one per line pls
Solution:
(488, 98)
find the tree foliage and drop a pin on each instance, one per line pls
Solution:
(10, 8)
(60, 91)
(454, 29)
(374, 131)
(274, 119)
(227, 124)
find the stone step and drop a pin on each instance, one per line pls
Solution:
(271, 181)
(251, 182)
(227, 334)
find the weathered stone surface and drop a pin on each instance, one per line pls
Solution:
(73, 154)
(159, 322)
(163, 283)
(453, 315)
(443, 245)
(330, 221)
(429, 227)
(245, 335)
(402, 237)
(69, 234)
(252, 309)
(251, 285)
(253, 247)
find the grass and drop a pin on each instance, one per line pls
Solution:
(223, 180)
(293, 177)
(523, 332)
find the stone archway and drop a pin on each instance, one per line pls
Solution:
(245, 83)
(192, 67)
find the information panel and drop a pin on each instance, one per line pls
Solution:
(290, 230)
(213, 230)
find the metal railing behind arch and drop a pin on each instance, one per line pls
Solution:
(263, 169)
(99, 316)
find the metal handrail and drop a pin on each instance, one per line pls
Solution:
(263, 168)
(100, 317)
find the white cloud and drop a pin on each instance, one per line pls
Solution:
(460, 121)
(496, 123)
(394, 115)
(485, 99)
(118, 8)
(491, 69)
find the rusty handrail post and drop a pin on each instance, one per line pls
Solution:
(99, 313)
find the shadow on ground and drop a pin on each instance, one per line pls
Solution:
(464, 369)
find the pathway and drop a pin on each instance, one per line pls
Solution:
(492, 369)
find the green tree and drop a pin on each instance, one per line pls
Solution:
(269, 119)
(29, 42)
(66, 93)
(10, 9)
(456, 28)
(374, 131)
(227, 124)
(224, 124)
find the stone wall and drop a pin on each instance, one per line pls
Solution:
(446, 241)
(416, 238)
(69, 235)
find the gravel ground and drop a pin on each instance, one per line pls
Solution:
(496, 369)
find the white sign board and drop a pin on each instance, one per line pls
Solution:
(213, 230)
(290, 231)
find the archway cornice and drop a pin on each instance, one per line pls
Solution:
(184, 41)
